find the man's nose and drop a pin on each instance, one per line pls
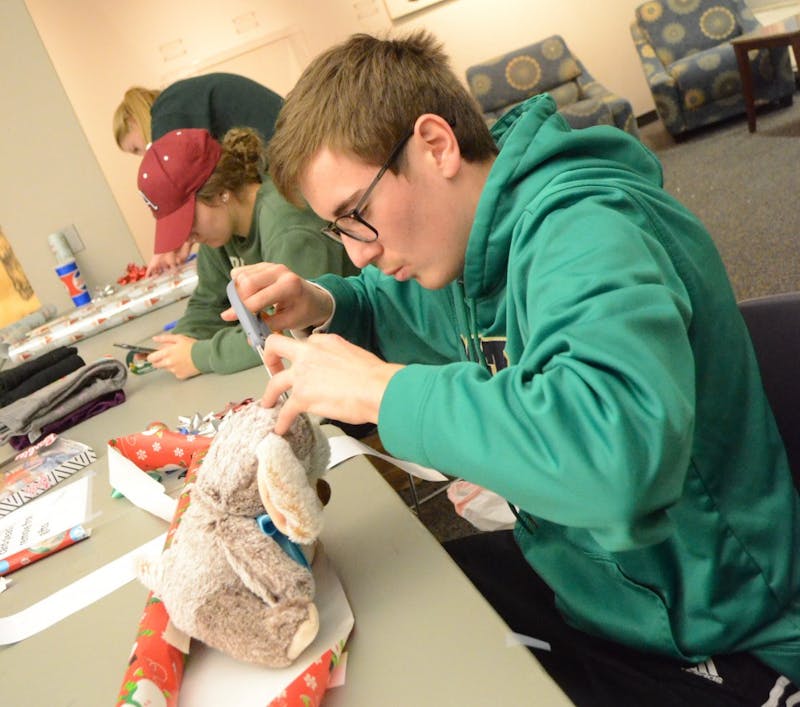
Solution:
(361, 254)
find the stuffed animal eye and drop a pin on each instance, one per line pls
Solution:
(323, 491)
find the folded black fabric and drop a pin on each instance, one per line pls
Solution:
(13, 377)
(30, 414)
(42, 378)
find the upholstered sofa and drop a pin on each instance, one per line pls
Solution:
(690, 64)
(548, 66)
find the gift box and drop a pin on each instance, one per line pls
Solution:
(158, 673)
(126, 303)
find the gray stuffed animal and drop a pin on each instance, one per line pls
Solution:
(223, 580)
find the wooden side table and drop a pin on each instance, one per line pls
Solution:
(779, 34)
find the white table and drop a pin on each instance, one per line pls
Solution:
(423, 634)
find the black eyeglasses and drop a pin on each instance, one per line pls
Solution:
(353, 224)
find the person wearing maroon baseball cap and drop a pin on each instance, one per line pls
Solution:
(172, 171)
(218, 196)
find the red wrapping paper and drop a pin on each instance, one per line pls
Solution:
(45, 548)
(309, 689)
(158, 447)
(156, 667)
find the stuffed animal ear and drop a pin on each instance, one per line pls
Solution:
(228, 474)
(286, 493)
(320, 457)
(310, 446)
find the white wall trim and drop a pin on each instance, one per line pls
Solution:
(292, 34)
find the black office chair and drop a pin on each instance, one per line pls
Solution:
(774, 325)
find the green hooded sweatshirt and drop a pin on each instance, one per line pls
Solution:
(592, 367)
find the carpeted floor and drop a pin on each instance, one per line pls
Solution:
(741, 185)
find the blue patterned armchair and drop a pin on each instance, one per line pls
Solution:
(690, 64)
(501, 83)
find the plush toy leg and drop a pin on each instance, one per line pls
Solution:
(150, 573)
(306, 633)
(236, 622)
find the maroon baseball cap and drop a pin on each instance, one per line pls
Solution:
(174, 167)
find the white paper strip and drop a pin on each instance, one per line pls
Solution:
(516, 639)
(343, 448)
(75, 596)
(138, 486)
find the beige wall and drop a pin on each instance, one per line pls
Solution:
(152, 43)
(62, 118)
(49, 175)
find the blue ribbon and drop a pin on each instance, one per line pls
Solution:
(289, 547)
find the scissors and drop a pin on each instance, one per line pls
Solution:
(256, 329)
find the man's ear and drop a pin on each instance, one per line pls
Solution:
(440, 143)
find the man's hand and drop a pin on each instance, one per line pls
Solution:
(290, 301)
(328, 376)
(174, 355)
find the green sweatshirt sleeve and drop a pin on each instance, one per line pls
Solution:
(392, 319)
(221, 347)
(225, 352)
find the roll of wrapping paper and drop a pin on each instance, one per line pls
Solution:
(14, 332)
(155, 666)
(45, 548)
(128, 302)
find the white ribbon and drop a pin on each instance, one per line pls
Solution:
(75, 596)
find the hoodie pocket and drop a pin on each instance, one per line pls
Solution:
(596, 596)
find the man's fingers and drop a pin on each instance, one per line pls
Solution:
(286, 417)
(274, 364)
(278, 384)
(278, 346)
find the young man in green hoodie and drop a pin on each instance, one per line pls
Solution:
(538, 316)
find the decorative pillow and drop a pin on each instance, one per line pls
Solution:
(677, 28)
(520, 74)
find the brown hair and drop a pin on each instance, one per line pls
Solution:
(362, 96)
(135, 106)
(243, 161)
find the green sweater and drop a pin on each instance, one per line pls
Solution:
(279, 233)
(216, 102)
(597, 374)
